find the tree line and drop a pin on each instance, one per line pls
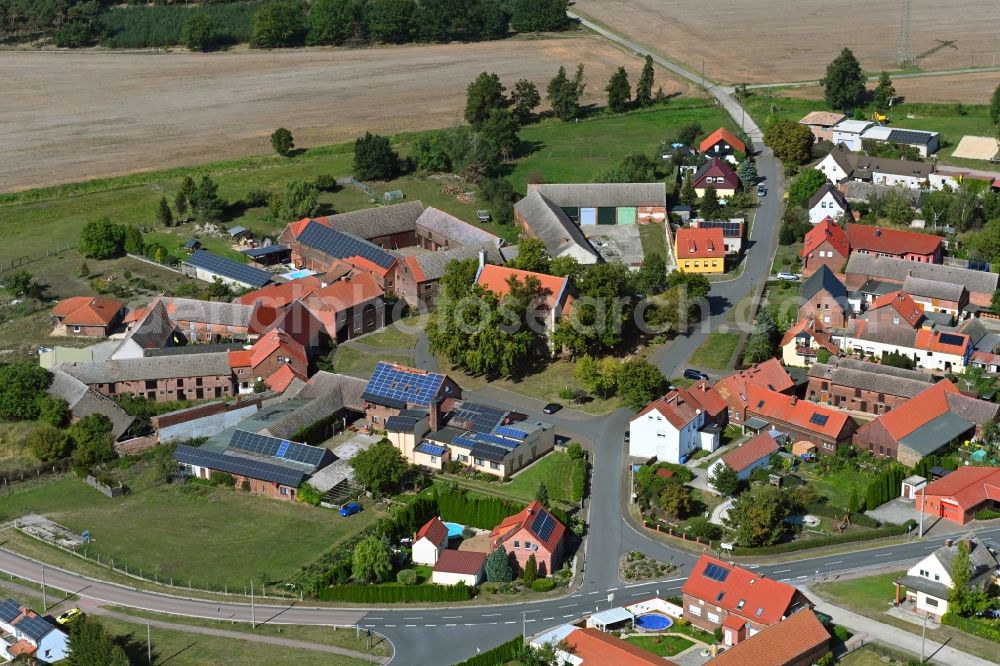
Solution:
(280, 23)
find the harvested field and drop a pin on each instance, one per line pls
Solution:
(794, 40)
(965, 88)
(83, 115)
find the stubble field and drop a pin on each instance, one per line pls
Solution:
(793, 40)
(965, 88)
(82, 115)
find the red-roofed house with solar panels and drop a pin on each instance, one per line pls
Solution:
(533, 531)
(394, 388)
(743, 602)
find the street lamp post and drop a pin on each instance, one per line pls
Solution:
(923, 639)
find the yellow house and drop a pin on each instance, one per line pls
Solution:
(700, 250)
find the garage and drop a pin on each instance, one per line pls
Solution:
(627, 215)
(607, 215)
(588, 216)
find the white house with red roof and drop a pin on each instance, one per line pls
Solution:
(742, 602)
(430, 541)
(673, 427)
(533, 531)
(827, 202)
(555, 298)
(750, 455)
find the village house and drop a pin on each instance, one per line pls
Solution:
(937, 297)
(589, 204)
(929, 583)
(749, 456)
(717, 174)
(83, 401)
(733, 389)
(897, 243)
(160, 378)
(673, 427)
(798, 640)
(394, 388)
(742, 602)
(802, 341)
(700, 250)
(842, 164)
(209, 321)
(925, 424)
(430, 541)
(847, 133)
(960, 494)
(152, 330)
(821, 124)
(26, 635)
(925, 143)
(732, 232)
(864, 387)
(721, 143)
(533, 531)
(797, 419)
(459, 566)
(538, 217)
(827, 202)
(349, 307)
(388, 227)
(317, 246)
(418, 276)
(587, 646)
(89, 316)
(823, 297)
(436, 230)
(825, 244)
(861, 268)
(554, 301)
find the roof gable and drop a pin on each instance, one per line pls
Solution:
(902, 303)
(823, 280)
(87, 310)
(716, 168)
(434, 531)
(497, 279)
(761, 446)
(537, 521)
(891, 241)
(828, 190)
(722, 134)
(738, 590)
(397, 386)
(826, 230)
(700, 243)
(769, 374)
(783, 643)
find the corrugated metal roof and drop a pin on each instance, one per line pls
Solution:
(603, 195)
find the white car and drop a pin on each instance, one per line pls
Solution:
(787, 276)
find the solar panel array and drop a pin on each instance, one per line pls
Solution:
(480, 418)
(265, 251)
(543, 524)
(253, 469)
(401, 386)
(482, 449)
(909, 136)
(272, 447)
(819, 419)
(228, 268)
(729, 229)
(9, 609)
(342, 245)
(507, 431)
(430, 449)
(952, 339)
(714, 572)
(34, 627)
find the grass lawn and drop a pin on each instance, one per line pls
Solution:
(180, 648)
(868, 656)
(835, 486)
(784, 257)
(14, 452)
(555, 469)
(351, 361)
(716, 352)
(783, 302)
(390, 338)
(653, 239)
(694, 632)
(664, 646)
(212, 536)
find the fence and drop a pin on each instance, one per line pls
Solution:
(26, 259)
(135, 446)
(30, 473)
(101, 487)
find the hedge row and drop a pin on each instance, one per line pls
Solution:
(989, 631)
(884, 487)
(501, 654)
(793, 546)
(482, 512)
(394, 594)
(828, 511)
(579, 478)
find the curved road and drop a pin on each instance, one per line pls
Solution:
(428, 635)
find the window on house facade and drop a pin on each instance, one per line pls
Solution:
(480, 462)
(434, 459)
(713, 617)
(694, 610)
(494, 465)
(931, 601)
(463, 458)
(517, 544)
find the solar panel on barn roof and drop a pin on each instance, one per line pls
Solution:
(228, 268)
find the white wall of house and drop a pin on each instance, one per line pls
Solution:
(745, 473)
(931, 568)
(425, 552)
(128, 349)
(850, 139)
(929, 360)
(827, 206)
(831, 169)
(448, 578)
(653, 435)
(942, 181)
(931, 604)
(892, 179)
(53, 647)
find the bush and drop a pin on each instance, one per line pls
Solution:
(407, 577)
(482, 512)
(393, 594)
(543, 585)
(718, 634)
(974, 626)
(579, 479)
(324, 182)
(308, 495)
(256, 198)
(223, 479)
(501, 654)
(793, 546)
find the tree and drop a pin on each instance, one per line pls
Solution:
(102, 239)
(639, 382)
(500, 132)
(675, 499)
(651, 278)
(619, 91)
(844, 83)
(961, 573)
(644, 88)
(49, 443)
(566, 266)
(747, 172)
(761, 342)
(635, 168)
(90, 643)
(530, 572)
(688, 196)
(22, 386)
(483, 96)
(532, 256)
(164, 216)
(498, 568)
(688, 133)
(599, 377)
(538, 15)
(188, 187)
(282, 141)
(709, 206)
(91, 438)
(542, 494)
(390, 21)
(804, 186)
(371, 561)
(564, 93)
(853, 504)
(896, 207)
(277, 24)
(897, 360)
(786, 234)
(335, 21)
(53, 410)
(790, 141)
(757, 517)
(884, 92)
(380, 468)
(724, 479)
(299, 200)
(374, 158)
(199, 33)
(180, 205)
(206, 204)
(524, 99)
(995, 106)
(18, 284)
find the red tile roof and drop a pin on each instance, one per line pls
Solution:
(345, 294)
(903, 304)
(699, 243)
(278, 295)
(761, 446)
(722, 134)
(928, 340)
(279, 380)
(802, 414)
(779, 645)
(596, 648)
(919, 410)
(496, 279)
(769, 374)
(87, 310)
(764, 600)
(297, 227)
(240, 358)
(969, 486)
(371, 267)
(524, 519)
(734, 622)
(272, 342)
(467, 562)
(681, 406)
(435, 531)
(893, 242)
(826, 230)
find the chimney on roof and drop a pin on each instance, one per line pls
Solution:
(482, 259)
(878, 232)
(794, 400)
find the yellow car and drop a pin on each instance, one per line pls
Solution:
(69, 616)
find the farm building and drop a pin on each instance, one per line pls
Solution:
(821, 124)
(608, 203)
(209, 267)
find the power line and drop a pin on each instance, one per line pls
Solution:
(904, 54)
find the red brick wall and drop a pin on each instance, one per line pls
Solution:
(181, 388)
(547, 562)
(265, 368)
(812, 261)
(846, 397)
(875, 438)
(823, 305)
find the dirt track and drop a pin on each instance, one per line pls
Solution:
(83, 115)
(966, 88)
(793, 40)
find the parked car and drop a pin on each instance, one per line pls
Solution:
(483, 216)
(787, 276)
(70, 616)
(551, 408)
(761, 191)
(350, 509)
(627, 437)
(696, 375)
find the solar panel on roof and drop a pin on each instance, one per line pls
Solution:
(247, 467)
(819, 419)
(430, 449)
(228, 268)
(402, 386)
(34, 627)
(730, 229)
(9, 609)
(715, 572)
(507, 431)
(951, 339)
(909, 136)
(543, 524)
(282, 450)
(342, 245)
(272, 447)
